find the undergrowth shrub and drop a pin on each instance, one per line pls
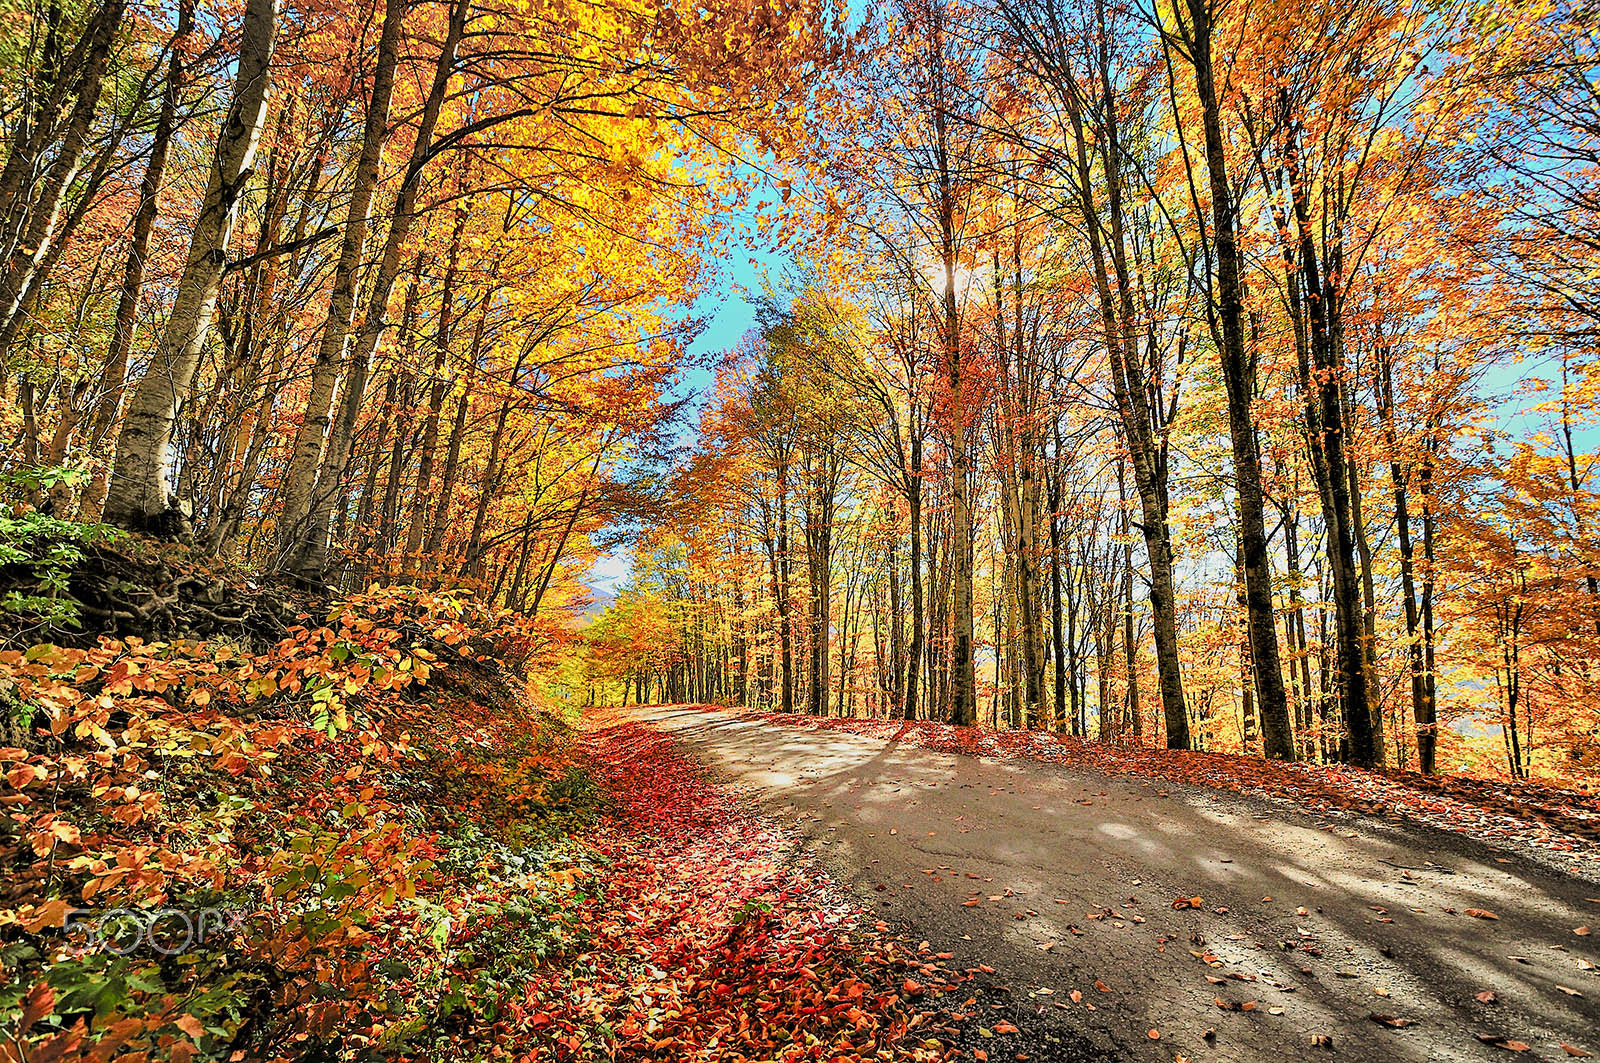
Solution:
(44, 550)
(342, 846)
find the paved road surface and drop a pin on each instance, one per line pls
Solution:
(1320, 928)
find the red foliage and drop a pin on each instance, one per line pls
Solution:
(709, 942)
(304, 793)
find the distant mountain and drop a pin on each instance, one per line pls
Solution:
(602, 601)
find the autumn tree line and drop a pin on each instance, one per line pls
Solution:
(1209, 375)
(383, 289)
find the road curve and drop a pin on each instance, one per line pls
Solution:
(1063, 881)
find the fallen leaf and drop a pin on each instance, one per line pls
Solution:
(1583, 931)
(1391, 1021)
(1495, 1040)
(1575, 1052)
(1155, 1035)
(1481, 913)
(1487, 997)
(1005, 1027)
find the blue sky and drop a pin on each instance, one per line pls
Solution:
(728, 306)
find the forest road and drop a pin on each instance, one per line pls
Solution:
(1074, 875)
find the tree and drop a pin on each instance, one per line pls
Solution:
(141, 495)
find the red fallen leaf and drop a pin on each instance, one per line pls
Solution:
(1487, 997)
(1481, 913)
(1155, 1035)
(36, 1005)
(1583, 931)
(912, 988)
(1101, 986)
(1077, 996)
(1391, 1021)
(1005, 1027)
(1495, 1040)
(1188, 902)
(1574, 1051)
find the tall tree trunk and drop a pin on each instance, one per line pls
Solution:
(1295, 627)
(140, 494)
(306, 454)
(1120, 332)
(916, 651)
(1238, 379)
(819, 572)
(389, 517)
(1422, 690)
(781, 570)
(1130, 645)
(452, 456)
(114, 378)
(311, 559)
(1326, 435)
(963, 681)
(30, 235)
(439, 387)
(369, 483)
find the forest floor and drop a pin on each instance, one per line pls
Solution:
(1111, 904)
